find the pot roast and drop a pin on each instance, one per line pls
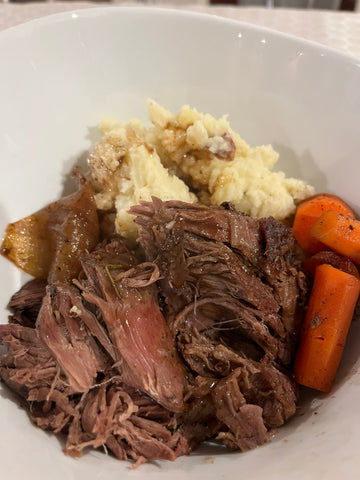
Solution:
(148, 355)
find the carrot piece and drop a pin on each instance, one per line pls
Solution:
(327, 321)
(340, 233)
(309, 211)
(331, 258)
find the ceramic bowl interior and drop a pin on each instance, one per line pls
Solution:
(62, 74)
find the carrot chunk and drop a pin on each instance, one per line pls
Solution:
(340, 233)
(331, 258)
(327, 321)
(309, 211)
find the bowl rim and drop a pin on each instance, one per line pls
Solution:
(153, 10)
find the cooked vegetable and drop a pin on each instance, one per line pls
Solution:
(331, 258)
(339, 232)
(327, 321)
(309, 211)
(48, 243)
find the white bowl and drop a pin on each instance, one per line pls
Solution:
(61, 74)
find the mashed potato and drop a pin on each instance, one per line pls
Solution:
(185, 153)
(126, 169)
(221, 165)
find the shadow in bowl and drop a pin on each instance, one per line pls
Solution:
(69, 184)
(299, 166)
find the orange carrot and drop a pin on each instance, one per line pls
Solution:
(340, 233)
(331, 258)
(327, 321)
(309, 211)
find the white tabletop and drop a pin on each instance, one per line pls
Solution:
(337, 29)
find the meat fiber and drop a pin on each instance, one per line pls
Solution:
(232, 287)
(25, 304)
(61, 329)
(147, 357)
(68, 366)
(127, 300)
(108, 415)
(235, 272)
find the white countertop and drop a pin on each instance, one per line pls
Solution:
(337, 29)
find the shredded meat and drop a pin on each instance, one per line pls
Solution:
(127, 303)
(25, 304)
(247, 270)
(149, 357)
